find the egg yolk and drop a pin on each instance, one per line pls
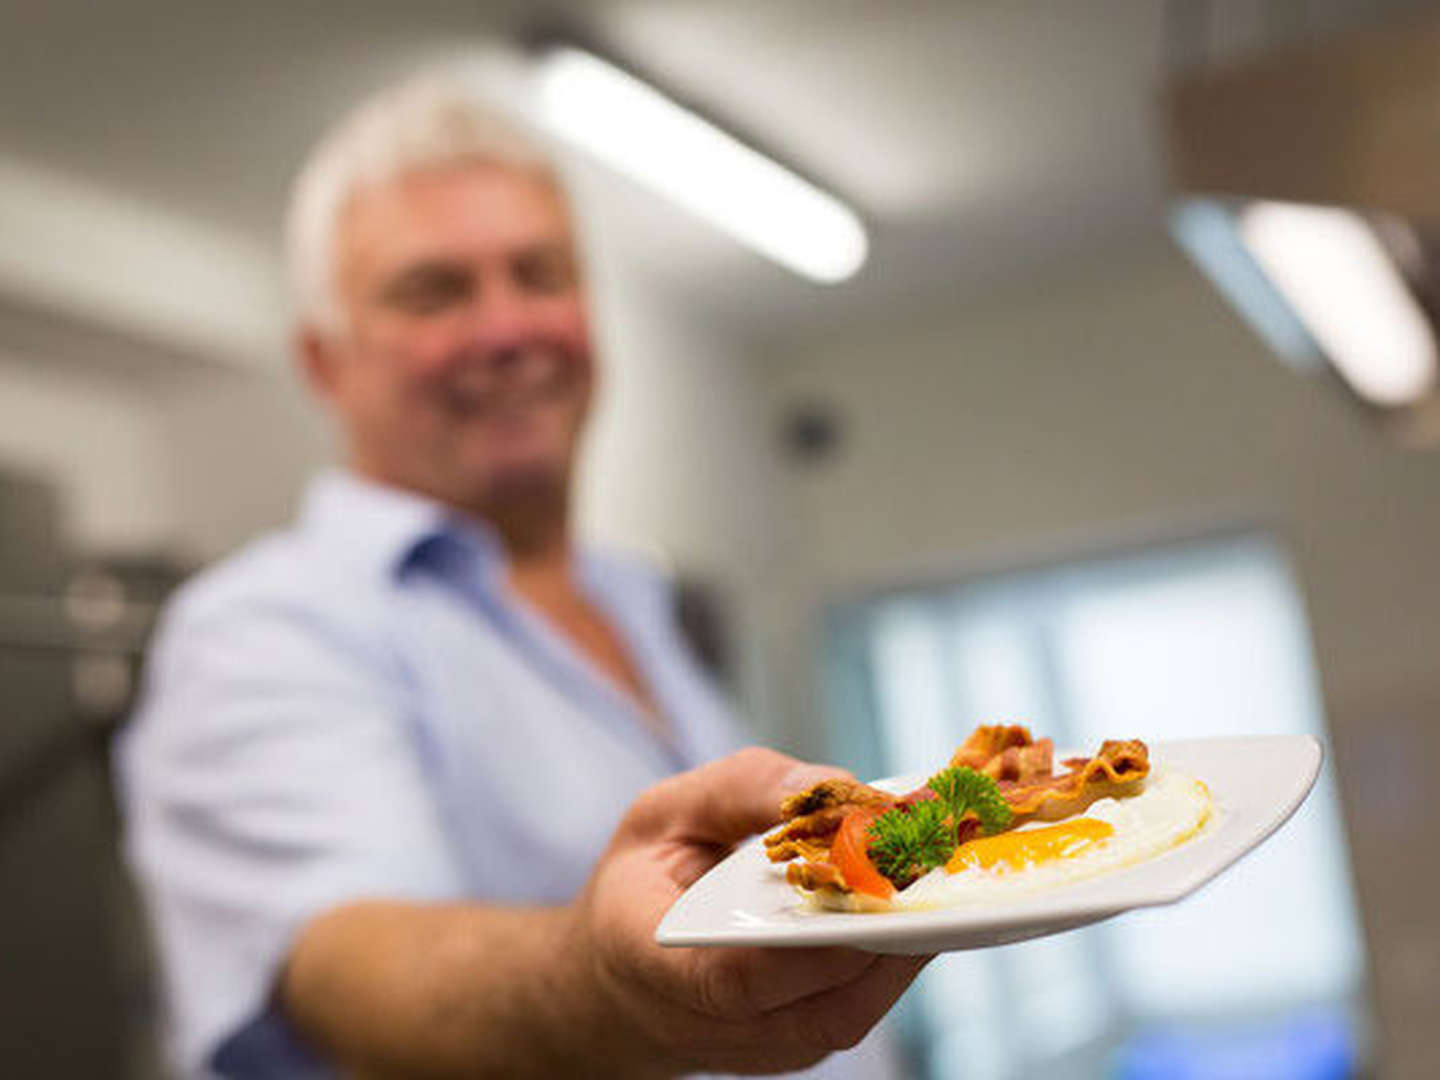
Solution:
(1017, 850)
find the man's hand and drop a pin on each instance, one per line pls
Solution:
(736, 1009)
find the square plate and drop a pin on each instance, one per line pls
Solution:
(1255, 782)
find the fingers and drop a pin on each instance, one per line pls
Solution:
(738, 983)
(837, 1019)
(801, 1033)
(725, 801)
(747, 983)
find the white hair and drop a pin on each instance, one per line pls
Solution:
(431, 121)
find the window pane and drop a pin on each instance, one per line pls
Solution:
(1183, 641)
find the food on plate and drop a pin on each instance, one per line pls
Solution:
(997, 822)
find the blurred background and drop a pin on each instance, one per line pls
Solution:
(1120, 420)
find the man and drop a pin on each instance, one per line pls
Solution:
(377, 757)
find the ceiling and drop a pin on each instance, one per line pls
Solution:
(983, 141)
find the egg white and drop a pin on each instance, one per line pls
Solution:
(1170, 809)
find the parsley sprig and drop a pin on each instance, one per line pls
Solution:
(962, 789)
(906, 842)
(909, 841)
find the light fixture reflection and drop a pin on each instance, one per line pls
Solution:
(640, 132)
(1347, 291)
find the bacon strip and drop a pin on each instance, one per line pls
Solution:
(812, 817)
(1006, 752)
(812, 875)
(1117, 770)
(839, 791)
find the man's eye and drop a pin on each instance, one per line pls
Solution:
(544, 271)
(429, 293)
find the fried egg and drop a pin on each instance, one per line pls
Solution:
(1037, 857)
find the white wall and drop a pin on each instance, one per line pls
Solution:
(240, 448)
(113, 309)
(76, 248)
(98, 440)
(680, 463)
(677, 458)
(1122, 401)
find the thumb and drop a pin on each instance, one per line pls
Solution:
(727, 800)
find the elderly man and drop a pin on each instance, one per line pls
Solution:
(377, 757)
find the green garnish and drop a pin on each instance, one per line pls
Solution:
(907, 842)
(962, 789)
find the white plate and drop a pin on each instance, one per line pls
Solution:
(1256, 784)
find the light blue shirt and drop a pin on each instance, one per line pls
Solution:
(358, 708)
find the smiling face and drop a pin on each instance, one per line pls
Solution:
(464, 369)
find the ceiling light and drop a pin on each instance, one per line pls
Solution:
(640, 132)
(1347, 291)
(1208, 230)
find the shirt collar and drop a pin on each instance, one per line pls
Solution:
(386, 529)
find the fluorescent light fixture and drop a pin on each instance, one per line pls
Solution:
(1209, 232)
(1333, 270)
(640, 132)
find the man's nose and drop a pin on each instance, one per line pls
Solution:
(500, 318)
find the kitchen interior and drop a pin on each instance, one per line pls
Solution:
(1126, 415)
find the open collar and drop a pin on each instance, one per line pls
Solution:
(385, 530)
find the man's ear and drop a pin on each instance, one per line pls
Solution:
(316, 357)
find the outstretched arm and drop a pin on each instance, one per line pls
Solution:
(470, 989)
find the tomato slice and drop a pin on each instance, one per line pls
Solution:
(850, 852)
